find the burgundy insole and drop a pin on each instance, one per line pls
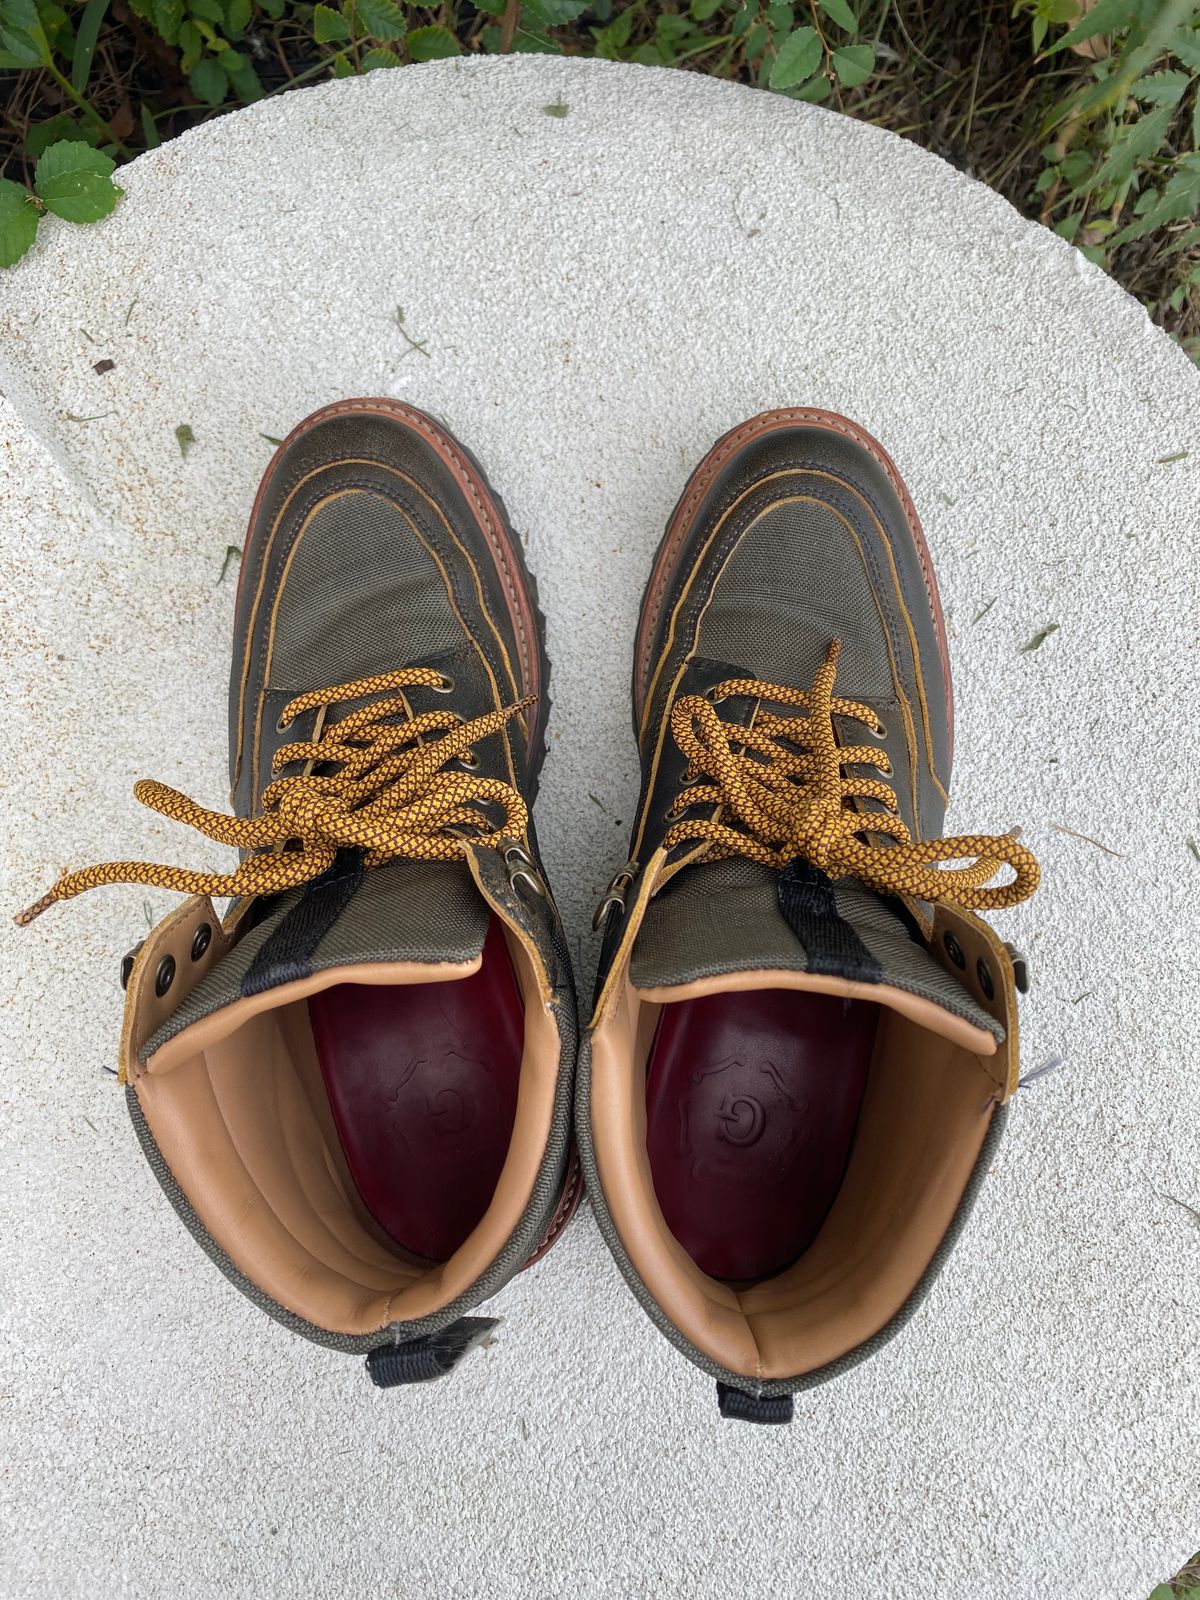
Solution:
(422, 1081)
(751, 1105)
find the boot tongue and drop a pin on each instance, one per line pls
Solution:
(405, 911)
(716, 918)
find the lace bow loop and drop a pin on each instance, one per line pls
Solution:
(384, 789)
(780, 792)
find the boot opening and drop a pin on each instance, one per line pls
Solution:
(362, 1144)
(782, 1164)
(422, 1083)
(752, 1101)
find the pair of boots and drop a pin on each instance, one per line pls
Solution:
(358, 1088)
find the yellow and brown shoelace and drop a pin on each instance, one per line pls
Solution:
(390, 796)
(783, 796)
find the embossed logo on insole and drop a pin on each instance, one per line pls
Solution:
(448, 1112)
(740, 1119)
(734, 1106)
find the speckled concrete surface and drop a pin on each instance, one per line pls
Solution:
(597, 297)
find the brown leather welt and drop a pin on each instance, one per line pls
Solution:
(697, 487)
(568, 1204)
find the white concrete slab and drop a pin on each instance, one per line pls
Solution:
(598, 296)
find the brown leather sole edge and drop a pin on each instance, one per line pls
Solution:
(667, 557)
(516, 581)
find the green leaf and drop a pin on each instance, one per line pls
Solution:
(610, 41)
(18, 221)
(191, 44)
(245, 84)
(85, 42)
(75, 181)
(527, 42)
(557, 108)
(22, 35)
(209, 82)
(149, 129)
(342, 67)
(329, 25)
(211, 10)
(382, 19)
(1106, 16)
(273, 8)
(431, 44)
(491, 8)
(1038, 639)
(702, 10)
(184, 438)
(1179, 200)
(237, 17)
(839, 12)
(57, 26)
(43, 134)
(757, 40)
(1162, 88)
(799, 57)
(168, 19)
(781, 17)
(1185, 47)
(1135, 142)
(554, 13)
(379, 57)
(815, 90)
(854, 64)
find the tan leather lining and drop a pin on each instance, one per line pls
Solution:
(238, 1112)
(925, 1013)
(926, 1111)
(218, 1025)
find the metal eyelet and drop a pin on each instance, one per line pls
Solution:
(127, 961)
(986, 982)
(712, 695)
(281, 726)
(614, 895)
(1020, 966)
(470, 760)
(165, 976)
(522, 868)
(880, 732)
(201, 940)
(444, 685)
(954, 950)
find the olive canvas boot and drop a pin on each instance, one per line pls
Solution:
(804, 1037)
(355, 1086)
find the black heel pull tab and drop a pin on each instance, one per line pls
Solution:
(744, 1407)
(422, 1360)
